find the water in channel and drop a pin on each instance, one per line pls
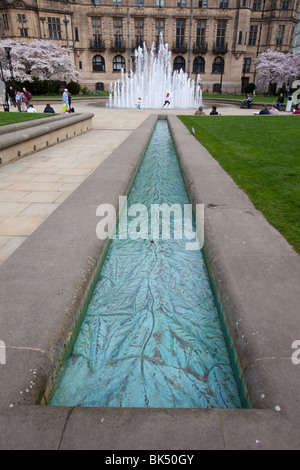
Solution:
(151, 336)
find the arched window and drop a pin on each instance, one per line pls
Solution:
(98, 63)
(118, 63)
(199, 65)
(218, 65)
(179, 63)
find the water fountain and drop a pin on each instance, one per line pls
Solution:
(152, 80)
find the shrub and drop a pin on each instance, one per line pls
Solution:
(85, 90)
(249, 88)
(73, 88)
(40, 87)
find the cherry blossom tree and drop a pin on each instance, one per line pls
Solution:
(42, 59)
(276, 67)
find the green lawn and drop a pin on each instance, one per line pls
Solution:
(256, 99)
(261, 154)
(12, 117)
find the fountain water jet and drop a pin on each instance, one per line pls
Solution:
(152, 80)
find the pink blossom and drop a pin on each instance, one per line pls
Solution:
(39, 58)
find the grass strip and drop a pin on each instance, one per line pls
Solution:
(261, 154)
(12, 118)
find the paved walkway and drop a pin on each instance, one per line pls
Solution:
(32, 188)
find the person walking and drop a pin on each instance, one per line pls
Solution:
(12, 96)
(280, 101)
(28, 97)
(167, 100)
(138, 103)
(19, 101)
(65, 100)
(24, 102)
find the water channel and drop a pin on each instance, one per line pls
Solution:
(152, 334)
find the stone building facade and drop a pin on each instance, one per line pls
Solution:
(218, 39)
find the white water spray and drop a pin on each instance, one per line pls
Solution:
(152, 80)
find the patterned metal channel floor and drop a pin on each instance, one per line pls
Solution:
(152, 336)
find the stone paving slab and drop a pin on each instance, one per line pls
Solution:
(51, 175)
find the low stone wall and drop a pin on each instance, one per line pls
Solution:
(22, 139)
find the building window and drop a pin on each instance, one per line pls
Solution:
(159, 30)
(98, 63)
(285, 4)
(280, 34)
(118, 32)
(246, 65)
(202, 4)
(24, 32)
(179, 63)
(223, 4)
(117, 2)
(181, 3)
(95, 2)
(5, 21)
(180, 31)
(76, 33)
(218, 65)
(21, 17)
(252, 35)
(118, 63)
(200, 33)
(139, 32)
(23, 27)
(199, 65)
(139, 3)
(292, 35)
(160, 3)
(80, 65)
(54, 28)
(221, 30)
(96, 27)
(240, 37)
(256, 5)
